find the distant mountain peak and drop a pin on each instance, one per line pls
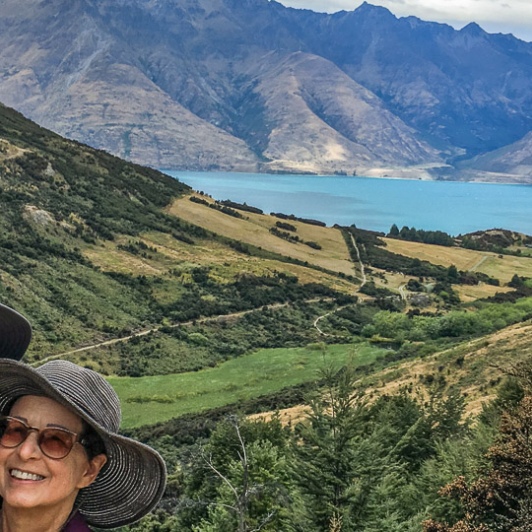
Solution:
(473, 29)
(369, 9)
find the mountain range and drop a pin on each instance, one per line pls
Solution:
(250, 85)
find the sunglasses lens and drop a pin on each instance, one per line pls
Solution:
(12, 432)
(56, 443)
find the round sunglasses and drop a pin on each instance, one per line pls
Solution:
(54, 442)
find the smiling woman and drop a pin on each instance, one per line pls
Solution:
(43, 467)
(62, 462)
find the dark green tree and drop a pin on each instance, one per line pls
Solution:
(394, 231)
(501, 497)
(239, 480)
(327, 456)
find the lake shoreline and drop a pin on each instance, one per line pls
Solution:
(497, 179)
(455, 207)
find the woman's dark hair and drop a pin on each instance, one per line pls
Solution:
(92, 442)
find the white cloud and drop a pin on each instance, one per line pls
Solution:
(505, 16)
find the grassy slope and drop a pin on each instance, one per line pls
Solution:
(476, 367)
(254, 229)
(94, 248)
(87, 252)
(477, 376)
(149, 400)
(177, 258)
(485, 360)
(499, 266)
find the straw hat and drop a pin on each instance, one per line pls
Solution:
(133, 480)
(15, 333)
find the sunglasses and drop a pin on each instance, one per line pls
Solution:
(54, 443)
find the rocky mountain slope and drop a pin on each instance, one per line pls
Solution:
(254, 86)
(513, 163)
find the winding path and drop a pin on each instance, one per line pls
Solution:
(478, 264)
(206, 320)
(361, 264)
(363, 279)
(220, 317)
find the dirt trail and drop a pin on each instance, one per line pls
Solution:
(478, 264)
(221, 317)
(363, 282)
(361, 264)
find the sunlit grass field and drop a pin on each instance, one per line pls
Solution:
(149, 400)
(499, 266)
(254, 229)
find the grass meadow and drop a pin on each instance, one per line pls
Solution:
(255, 229)
(150, 400)
(499, 266)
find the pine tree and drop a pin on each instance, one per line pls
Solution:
(325, 453)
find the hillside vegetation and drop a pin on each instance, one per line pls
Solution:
(121, 267)
(376, 348)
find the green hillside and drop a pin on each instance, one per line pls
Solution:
(63, 202)
(196, 310)
(118, 269)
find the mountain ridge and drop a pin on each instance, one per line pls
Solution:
(190, 84)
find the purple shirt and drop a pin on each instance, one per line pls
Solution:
(77, 524)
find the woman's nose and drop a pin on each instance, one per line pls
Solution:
(29, 448)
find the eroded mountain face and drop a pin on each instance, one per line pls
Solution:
(254, 86)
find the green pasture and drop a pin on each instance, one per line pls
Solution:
(149, 400)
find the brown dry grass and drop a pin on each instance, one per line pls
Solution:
(498, 266)
(109, 258)
(469, 293)
(177, 259)
(287, 416)
(254, 229)
(485, 362)
(474, 367)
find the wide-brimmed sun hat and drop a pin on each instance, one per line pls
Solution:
(132, 481)
(15, 333)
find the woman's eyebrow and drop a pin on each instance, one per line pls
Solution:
(21, 418)
(48, 425)
(57, 426)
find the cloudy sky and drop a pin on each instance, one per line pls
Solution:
(505, 16)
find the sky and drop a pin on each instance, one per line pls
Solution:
(495, 16)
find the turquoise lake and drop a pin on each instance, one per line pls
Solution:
(376, 204)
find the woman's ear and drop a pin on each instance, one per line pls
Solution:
(95, 465)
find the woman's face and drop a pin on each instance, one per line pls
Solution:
(31, 480)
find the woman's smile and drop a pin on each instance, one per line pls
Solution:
(24, 475)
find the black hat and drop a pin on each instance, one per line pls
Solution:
(15, 333)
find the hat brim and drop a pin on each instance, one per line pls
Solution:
(15, 333)
(132, 481)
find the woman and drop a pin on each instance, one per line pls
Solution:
(63, 465)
